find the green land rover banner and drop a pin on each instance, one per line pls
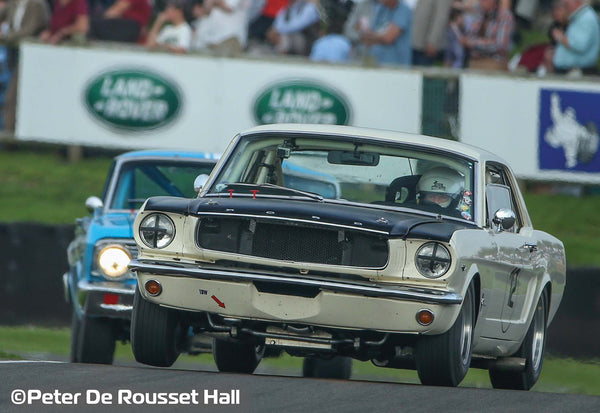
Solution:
(101, 96)
(132, 99)
(301, 101)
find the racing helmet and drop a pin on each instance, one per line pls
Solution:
(441, 183)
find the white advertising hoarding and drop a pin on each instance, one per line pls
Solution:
(545, 129)
(136, 99)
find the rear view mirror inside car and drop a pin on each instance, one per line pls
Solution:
(353, 158)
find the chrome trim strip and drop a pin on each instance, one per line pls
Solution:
(116, 307)
(109, 288)
(65, 280)
(186, 270)
(305, 221)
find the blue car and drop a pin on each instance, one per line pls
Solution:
(99, 285)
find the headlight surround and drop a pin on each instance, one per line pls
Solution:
(113, 261)
(157, 230)
(433, 260)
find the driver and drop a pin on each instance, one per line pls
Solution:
(440, 186)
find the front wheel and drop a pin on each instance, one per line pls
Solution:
(92, 340)
(75, 327)
(444, 359)
(335, 368)
(532, 350)
(237, 357)
(155, 333)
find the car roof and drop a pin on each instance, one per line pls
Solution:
(466, 150)
(168, 154)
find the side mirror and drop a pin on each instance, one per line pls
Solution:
(199, 182)
(505, 219)
(93, 203)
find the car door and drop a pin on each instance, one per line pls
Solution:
(513, 270)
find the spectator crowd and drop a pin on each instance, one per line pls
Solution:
(454, 33)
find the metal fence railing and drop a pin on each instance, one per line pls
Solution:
(440, 105)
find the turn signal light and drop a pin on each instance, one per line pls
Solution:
(425, 317)
(153, 287)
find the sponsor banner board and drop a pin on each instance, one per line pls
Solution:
(546, 129)
(133, 99)
(568, 132)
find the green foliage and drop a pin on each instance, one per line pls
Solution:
(572, 220)
(530, 37)
(28, 339)
(43, 187)
(8, 356)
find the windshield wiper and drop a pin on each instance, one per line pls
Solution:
(310, 195)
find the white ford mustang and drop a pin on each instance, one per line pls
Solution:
(334, 243)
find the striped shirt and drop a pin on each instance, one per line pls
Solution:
(491, 34)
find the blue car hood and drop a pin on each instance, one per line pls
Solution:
(112, 225)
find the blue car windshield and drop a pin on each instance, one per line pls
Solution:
(138, 181)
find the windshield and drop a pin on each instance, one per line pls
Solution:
(348, 170)
(138, 181)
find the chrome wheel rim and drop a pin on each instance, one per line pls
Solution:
(466, 332)
(539, 334)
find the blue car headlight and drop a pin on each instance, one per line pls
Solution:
(113, 260)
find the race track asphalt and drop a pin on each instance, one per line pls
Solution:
(257, 393)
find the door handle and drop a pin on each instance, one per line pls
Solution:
(530, 247)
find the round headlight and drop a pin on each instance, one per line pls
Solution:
(433, 260)
(113, 261)
(157, 230)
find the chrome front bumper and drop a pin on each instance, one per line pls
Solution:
(90, 297)
(334, 303)
(426, 296)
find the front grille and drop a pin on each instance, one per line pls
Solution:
(290, 241)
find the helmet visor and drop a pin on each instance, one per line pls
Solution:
(442, 199)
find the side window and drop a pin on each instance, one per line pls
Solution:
(493, 176)
(497, 197)
(500, 194)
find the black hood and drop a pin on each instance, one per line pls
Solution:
(394, 223)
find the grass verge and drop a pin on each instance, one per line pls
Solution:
(43, 187)
(571, 219)
(559, 375)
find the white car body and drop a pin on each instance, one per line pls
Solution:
(508, 269)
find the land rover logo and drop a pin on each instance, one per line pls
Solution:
(301, 102)
(132, 99)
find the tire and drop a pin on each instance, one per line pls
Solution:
(336, 368)
(532, 350)
(155, 333)
(237, 357)
(444, 360)
(75, 327)
(95, 341)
